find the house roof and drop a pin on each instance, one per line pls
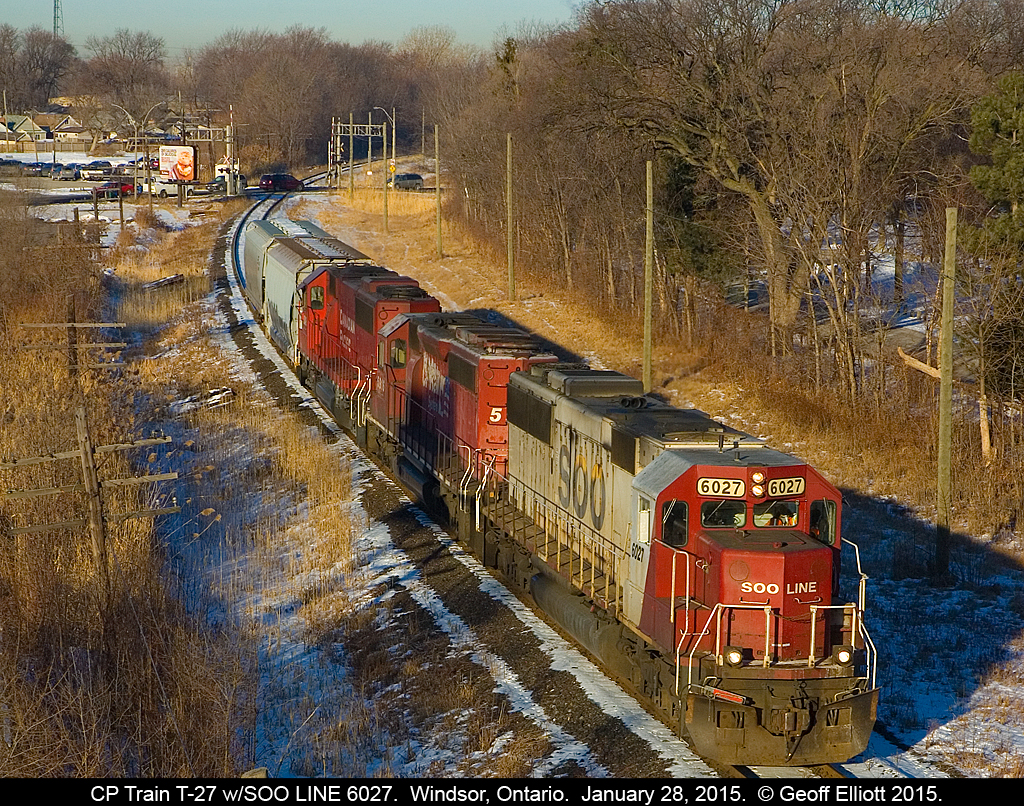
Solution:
(59, 123)
(22, 123)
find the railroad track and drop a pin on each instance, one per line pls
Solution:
(569, 701)
(265, 208)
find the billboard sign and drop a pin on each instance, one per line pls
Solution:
(178, 163)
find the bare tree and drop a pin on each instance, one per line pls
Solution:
(744, 89)
(32, 66)
(284, 88)
(128, 69)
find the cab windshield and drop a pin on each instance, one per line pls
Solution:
(729, 513)
(773, 514)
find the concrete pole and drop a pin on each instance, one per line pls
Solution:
(229, 158)
(386, 175)
(437, 190)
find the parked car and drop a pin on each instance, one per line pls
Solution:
(407, 182)
(280, 182)
(97, 169)
(111, 190)
(217, 187)
(69, 173)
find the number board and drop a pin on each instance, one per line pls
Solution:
(778, 488)
(722, 488)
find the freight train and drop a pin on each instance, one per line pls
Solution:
(697, 564)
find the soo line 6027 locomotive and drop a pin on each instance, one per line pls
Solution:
(698, 565)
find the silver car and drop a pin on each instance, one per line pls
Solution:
(407, 182)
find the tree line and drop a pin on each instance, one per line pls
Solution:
(281, 89)
(798, 146)
(792, 140)
(801, 146)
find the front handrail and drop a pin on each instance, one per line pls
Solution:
(856, 627)
(862, 585)
(716, 615)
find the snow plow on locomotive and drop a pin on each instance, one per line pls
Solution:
(697, 564)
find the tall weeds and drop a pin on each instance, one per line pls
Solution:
(93, 682)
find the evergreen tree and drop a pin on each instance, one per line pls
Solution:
(994, 283)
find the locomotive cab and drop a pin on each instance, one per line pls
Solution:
(741, 580)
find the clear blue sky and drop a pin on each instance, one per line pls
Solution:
(193, 23)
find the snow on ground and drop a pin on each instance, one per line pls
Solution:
(951, 662)
(382, 562)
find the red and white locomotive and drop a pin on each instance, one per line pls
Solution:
(698, 564)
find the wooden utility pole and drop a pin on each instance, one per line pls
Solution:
(97, 533)
(437, 190)
(386, 177)
(944, 504)
(95, 520)
(511, 222)
(351, 160)
(649, 279)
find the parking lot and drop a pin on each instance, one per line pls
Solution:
(42, 188)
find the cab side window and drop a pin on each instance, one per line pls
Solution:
(316, 298)
(643, 522)
(822, 521)
(673, 524)
(398, 353)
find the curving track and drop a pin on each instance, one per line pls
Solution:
(593, 727)
(592, 724)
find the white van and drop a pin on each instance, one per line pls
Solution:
(162, 188)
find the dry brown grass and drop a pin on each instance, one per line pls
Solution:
(881, 447)
(155, 695)
(127, 688)
(470, 276)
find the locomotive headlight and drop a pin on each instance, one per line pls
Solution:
(843, 655)
(734, 655)
(757, 483)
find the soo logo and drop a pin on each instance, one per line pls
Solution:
(581, 488)
(759, 587)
